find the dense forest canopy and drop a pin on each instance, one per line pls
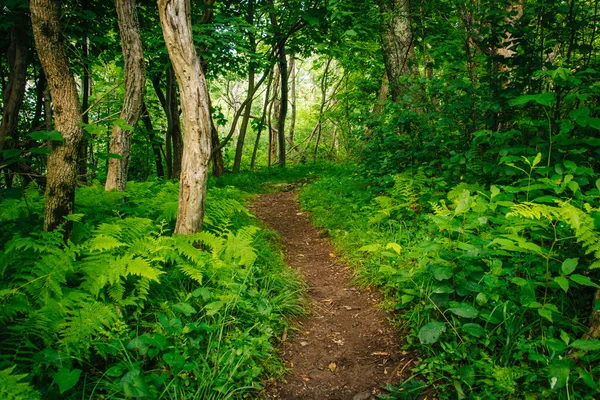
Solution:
(457, 149)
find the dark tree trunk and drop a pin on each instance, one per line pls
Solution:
(62, 161)
(281, 54)
(15, 89)
(160, 172)
(85, 86)
(292, 75)
(173, 125)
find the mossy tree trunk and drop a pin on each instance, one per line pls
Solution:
(62, 161)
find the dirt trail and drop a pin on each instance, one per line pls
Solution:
(344, 349)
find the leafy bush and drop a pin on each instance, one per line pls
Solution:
(495, 284)
(127, 310)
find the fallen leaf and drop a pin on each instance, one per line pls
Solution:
(305, 378)
(332, 367)
(303, 344)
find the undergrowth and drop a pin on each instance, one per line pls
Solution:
(493, 283)
(125, 309)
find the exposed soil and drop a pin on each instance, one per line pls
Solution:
(344, 349)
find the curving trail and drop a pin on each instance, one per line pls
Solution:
(344, 349)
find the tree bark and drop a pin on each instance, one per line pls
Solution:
(237, 161)
(160, 172)
(177, 31)
(281, 54)
(135, 83)
(62, 161)
(173, 125)
(262, 121)
(292, 75)
(85, 100)
(274, 115)
(397, 43)
(15, 88)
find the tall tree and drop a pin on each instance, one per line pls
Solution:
(177, 31)
(135, 83)
(62, 161)
(396, 43)
(283, 74)
(15, 89)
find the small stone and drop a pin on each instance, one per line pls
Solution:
(303, 344)
(362, 395)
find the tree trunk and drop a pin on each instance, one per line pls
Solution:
(274, 115)
(15, 89)
(177, 30)
(237, 161)
(62, 161)
(262, 121)
(292, 75)
(135, 83)
(284, 88)
(85, 100)
(174, 125)
(160, 172)
(397, 43)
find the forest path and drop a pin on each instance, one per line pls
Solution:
(345, 349)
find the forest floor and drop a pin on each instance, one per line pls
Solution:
(345, 348)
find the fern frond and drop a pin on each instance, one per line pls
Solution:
(192, 271)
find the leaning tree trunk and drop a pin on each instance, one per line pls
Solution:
(15, 89)
(62, 161)
(177, 31)
(397, 43)
(135, 83)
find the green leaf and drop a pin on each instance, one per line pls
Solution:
(214, 307)
(121, 123)
(465, 311)
(587, 345)
(473, 329)
(537, 159)
(569, 265)
(370, 248)
(47, 135)
(587, 378)
(545, 99)
(519, 281)
(140, 267)
(558, 374)
(66, 378)
(545, 313)
(430, 332)
(441, 272)
(583, 280)
(185, 308)
(562, 282)
(394, 246)
(175, 360)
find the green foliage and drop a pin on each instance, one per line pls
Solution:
(495, 289)
(127, 310)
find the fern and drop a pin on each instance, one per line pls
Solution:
(11, 386)
(580, 221)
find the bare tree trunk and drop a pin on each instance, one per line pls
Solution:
(292, 75)
(135, 83)
(262, 121)
(160, 172)
(397, 43)
(237, 162)
(177, 30)
(274, 115)
(282, 114)
(62, 161)
(218, 165)
(15, 89)
(85, 100)
(324, 85)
